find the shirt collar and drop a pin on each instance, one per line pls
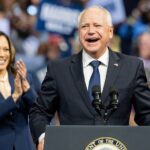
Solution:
(87, 58)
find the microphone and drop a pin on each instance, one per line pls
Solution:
(96, 103)
(114, 94)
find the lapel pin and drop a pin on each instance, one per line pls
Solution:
(116, 65)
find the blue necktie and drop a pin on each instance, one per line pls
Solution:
(95, 78)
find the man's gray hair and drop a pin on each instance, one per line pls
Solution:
(109, 19)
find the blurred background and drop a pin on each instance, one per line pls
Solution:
(43, 30)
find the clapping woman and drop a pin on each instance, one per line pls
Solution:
(16, 97)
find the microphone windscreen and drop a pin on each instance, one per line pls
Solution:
(113, 90)
(96, 89)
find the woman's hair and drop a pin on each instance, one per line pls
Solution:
(11, 63)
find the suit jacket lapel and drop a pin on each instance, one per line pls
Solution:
(11, 81)
(112, 73)
(78, 77)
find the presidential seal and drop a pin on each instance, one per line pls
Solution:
(106, 143)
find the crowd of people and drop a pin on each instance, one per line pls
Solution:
(20, 24)
(38, 53)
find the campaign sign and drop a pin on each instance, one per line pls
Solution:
(57, 18)
(115, 7)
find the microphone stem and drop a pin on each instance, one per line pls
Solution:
(105, 115)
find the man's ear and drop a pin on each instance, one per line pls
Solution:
(111, 30)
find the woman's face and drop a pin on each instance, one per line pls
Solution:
(4, 54)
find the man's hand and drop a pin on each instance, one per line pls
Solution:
(40, 146)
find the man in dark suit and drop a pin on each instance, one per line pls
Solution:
(67, 85)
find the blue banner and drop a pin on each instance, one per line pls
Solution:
(115, 7)
(57, 18)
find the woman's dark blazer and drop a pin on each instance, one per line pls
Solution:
(14, 129)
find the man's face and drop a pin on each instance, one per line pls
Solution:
(95, 32)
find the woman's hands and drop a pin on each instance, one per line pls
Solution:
(18, 88)
(22, 71)
(21, 83)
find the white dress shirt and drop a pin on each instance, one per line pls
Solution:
(88, 69)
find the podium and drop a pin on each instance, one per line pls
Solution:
(97, 138)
